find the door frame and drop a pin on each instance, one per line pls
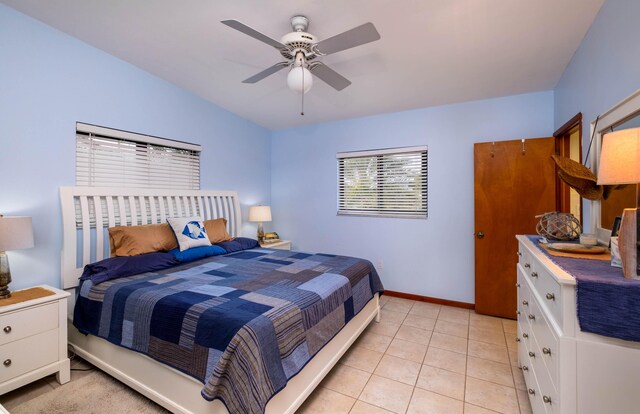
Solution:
(562, 135)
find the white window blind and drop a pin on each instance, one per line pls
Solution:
(390, 182)
(112, 158)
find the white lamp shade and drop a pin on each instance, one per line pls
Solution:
(15, 233)
(620, 157)
(260, 213)
(300, 79)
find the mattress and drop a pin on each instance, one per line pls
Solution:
(242, 323)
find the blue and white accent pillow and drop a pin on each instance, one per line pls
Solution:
(190, 232)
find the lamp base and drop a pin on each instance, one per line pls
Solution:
(628, 242)
(260, 233)
(5, 276)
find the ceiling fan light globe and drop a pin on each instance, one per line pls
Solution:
(300, 79)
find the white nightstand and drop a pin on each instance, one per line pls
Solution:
(279, 245)
(33, 337)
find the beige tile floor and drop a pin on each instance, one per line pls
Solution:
(426, 358)
(420, 358)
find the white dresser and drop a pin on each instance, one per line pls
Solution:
(33, 338)
(568, 371)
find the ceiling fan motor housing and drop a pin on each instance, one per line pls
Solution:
(298, 41)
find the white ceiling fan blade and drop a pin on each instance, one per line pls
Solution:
(241, 27)
(268, 71)
(329, 76)
(351, 38)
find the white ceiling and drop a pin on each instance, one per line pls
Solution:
(432, 52)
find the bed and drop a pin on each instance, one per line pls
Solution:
(88, 213)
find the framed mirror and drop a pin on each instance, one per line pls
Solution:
(625, 114)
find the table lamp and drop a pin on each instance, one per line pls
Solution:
(15, 233)
(620, 164)
(260, 214)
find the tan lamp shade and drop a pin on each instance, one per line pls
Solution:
(16, 233)
(260, 214)
(620, 157)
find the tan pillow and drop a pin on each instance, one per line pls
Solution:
(135, 240)
(217, 230)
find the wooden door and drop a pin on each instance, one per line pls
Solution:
(514, 182)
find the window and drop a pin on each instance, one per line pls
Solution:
(112, 158)
(390, 182)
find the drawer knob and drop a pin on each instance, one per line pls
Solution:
(534, 274)
(517, 312)
(546, 399)
(527, 265)
(532, 317)
(7, 329)
(550, 296)
(517, 339)
(519, 253)
(532, 354)
(525, 303)
(525, 335)
(546, 351)
(7, 362)
(517, 285)
(532, 391)
(525, 368)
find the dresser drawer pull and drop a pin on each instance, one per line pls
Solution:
(532, 391)
(525, 335)
(7, 362)
(532, 354)
(534, 274)
(546, 351)
(517, 339)
(7, 329)
(550, 296)
(518, 312)
(527, 265)
(532, 316)
(525, 303)
(519, 253)
(546, 399)
(525, 368)
(517, 285)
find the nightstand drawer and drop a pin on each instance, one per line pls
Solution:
(20, 357)
(278, 245)
(26, 322)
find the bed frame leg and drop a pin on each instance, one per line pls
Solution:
(378, 306)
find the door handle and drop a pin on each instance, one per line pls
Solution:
(480, 235)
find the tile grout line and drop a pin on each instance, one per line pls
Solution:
(466, 367)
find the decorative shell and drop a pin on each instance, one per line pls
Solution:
(558, 226)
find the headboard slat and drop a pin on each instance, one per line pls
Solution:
(83, 214)
(110, 211)
(134, 212)
(86, 229)
(97, 205)
(152, 210)
(122, 212)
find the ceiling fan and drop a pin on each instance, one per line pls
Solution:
(300, 49)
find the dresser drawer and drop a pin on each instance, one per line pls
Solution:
(27, 322)
(33, 352)
(530, 378)
(547, 289)
(547, 342)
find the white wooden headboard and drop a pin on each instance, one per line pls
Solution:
(88, 212)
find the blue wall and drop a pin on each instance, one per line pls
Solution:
(48, 81)
(604, 70)
(433, 257)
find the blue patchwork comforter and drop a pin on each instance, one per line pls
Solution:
(243, 323)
